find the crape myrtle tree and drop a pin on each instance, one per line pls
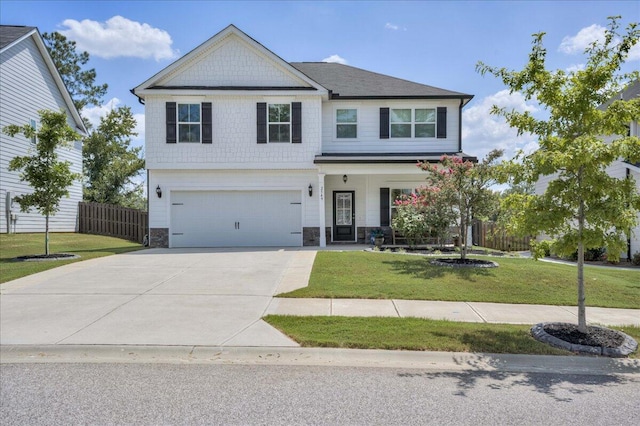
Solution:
(466, 186)
(428, 211)
(49, 177)
(586, 131)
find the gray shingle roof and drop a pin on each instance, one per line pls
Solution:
(347, 82)
(11, 33)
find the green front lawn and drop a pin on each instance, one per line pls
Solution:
(397, 276)
(84, 245)
(416, 334)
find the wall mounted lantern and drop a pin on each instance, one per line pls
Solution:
(345, 178)
(310, 190)
(159, 191)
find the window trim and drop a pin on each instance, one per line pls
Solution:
(178, 122)
(289, 123)
(413, 123)
(336, 123)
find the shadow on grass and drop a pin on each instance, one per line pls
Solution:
(422, 269)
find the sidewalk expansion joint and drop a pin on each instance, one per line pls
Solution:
(476, 312)
(396, 308)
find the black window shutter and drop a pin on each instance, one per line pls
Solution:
(384, 123)
(296, 122)
(442, 122)
(384, 207)
(207, 130)
(262, 122)
(171, 122)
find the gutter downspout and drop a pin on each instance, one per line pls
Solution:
(133, 92)
(460, 125)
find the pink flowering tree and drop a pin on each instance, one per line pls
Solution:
(427, 212)
(466, 186)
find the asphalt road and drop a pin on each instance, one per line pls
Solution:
(154, 394)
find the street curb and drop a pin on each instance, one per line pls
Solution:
(436, 361)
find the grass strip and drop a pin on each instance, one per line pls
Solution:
(399, 276)
(415, 334)
(85, 245)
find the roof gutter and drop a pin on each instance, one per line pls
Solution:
(133, 92)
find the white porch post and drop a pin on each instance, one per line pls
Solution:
(321, 212)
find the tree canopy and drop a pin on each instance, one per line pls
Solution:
(111, 164)
(80, 83)
(585, 131)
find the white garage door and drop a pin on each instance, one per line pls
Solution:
(236, 219)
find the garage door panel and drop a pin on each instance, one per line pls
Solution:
(236, 218)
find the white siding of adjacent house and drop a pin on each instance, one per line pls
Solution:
(26, 86)
(368, 140)
(234, 136)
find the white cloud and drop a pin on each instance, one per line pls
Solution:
(582, 40)
(393, 27)
(335, 58)
(94, 114)
(482, 131)
(574, 68)
(119, 36)
(587, 36)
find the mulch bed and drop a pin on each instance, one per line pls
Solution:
(46, 257)
(464, 263)
(596, 341)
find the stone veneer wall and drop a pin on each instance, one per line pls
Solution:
(311, 236)
(159, 237)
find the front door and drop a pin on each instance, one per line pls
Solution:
(344, 216)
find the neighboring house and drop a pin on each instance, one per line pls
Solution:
(619, 169)
(246, 149)
(29, 82)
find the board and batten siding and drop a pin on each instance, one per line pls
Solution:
(27, 86)
(369, 141)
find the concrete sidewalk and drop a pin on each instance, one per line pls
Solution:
(452, 311)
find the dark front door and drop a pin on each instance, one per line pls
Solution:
(344, 216)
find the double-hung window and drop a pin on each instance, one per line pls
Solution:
(347, 123)
(279, 123)
(189, 129)
(413, 123)
(396, 194)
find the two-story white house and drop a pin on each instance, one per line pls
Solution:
(30, 82)
(246, 149)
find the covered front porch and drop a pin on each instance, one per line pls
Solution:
(357, 193)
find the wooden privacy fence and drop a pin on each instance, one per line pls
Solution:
(111, 220)
(494, 236)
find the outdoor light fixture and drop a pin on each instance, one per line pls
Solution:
(159, 191)
(345, 178)
(310, 190)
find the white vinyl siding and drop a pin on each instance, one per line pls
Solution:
(27, 86)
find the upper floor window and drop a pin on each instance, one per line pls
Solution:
(347, 123)
(279, 123)
(34, 125)
(413, 123)
(189, 123)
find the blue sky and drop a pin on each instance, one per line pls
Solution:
(432, 42)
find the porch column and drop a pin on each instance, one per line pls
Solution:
(321, 207)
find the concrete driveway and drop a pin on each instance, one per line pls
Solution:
(209, 297)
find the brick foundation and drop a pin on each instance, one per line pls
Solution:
(159, 237)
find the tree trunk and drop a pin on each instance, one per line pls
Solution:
(582, 311)
(46, 235)
(462, 240)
